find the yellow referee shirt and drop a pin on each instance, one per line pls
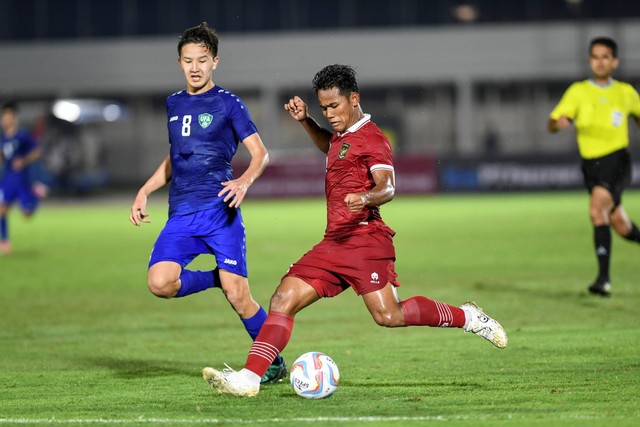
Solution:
(600, 115)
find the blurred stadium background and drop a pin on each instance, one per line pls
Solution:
(462, 88)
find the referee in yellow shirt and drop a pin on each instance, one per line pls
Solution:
(599, 109)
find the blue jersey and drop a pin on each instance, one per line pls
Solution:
(204, 132)
(19, 145)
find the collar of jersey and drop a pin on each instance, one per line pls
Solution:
(357, 125)
(610, 83)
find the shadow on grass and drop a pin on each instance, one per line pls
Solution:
(20, 254)
(580, 295)
(136, 368)
(416, 384)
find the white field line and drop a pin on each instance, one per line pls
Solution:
(310, 420)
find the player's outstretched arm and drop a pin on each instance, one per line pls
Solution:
(236, 189)
(20, 163)
(160, 177)
(299, 111)
(561, 123)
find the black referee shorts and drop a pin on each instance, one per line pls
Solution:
(612, 172)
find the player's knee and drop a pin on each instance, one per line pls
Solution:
(162, 287)
(387, 319)
(598, 215)
(284, 301)
(278, 301)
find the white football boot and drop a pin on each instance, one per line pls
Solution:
(232, 382)
(481, 324)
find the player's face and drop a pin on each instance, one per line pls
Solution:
(339, 110)
(197, 63)
(602, 62)
(8, 120)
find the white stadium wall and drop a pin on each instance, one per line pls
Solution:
(273, 65)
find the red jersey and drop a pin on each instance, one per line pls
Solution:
(353, 156)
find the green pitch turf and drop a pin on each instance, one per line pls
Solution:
(82, 341)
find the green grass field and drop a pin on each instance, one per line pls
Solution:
(82, 341)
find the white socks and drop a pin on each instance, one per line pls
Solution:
(251, 376)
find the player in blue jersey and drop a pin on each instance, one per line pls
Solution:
(18, 151)
(206, 123)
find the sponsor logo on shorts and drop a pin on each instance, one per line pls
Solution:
(375, 278)
(173, 119)
(230, 261)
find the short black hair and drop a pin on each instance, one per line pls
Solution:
(605, 41)
(342, 77)
(11, 105)
(200, 34)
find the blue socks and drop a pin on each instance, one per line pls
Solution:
(3, 228)
(253, 324)
(197, 281)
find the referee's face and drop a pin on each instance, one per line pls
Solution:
(602, 62)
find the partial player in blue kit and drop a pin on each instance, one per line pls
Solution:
(18, 151)
(206, 123)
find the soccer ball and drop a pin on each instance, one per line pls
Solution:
(314, 375)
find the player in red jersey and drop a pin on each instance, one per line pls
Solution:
(357, 249)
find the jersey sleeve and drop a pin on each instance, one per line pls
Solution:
(568, 105)
(27, 143)
(634, 109)
(240, 119)
(167, 107)
(380, 155)
(32, 143)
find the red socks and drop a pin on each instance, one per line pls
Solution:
(276, 330)
(272, 339)
(421, 311)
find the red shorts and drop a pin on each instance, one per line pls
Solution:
(365, 262)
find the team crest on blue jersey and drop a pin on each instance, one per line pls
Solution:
(205, 120)
(343, 150)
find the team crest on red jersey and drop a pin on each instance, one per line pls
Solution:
(343, 150)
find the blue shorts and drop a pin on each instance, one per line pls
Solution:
(219, 232)
(12, 190)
